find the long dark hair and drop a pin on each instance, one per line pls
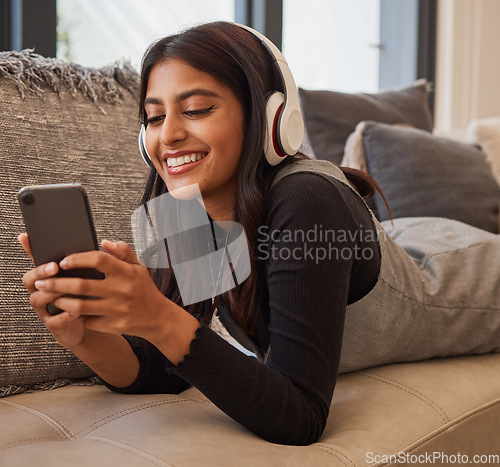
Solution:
(237, 59)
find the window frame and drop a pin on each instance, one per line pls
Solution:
(29, 24)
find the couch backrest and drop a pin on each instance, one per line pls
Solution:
(59, 123)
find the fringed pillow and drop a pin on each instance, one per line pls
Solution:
(59, 123)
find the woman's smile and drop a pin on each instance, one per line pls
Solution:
(183, 161)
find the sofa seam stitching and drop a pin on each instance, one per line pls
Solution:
(433, 405)
(330, 450)
(131, 449)
(26, 442)
(47, 419)
(462, 420)
(483, 362)
(122, 413)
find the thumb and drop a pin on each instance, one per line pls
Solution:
(121, 251)
(24, 240)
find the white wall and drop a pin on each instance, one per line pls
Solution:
(468, 64)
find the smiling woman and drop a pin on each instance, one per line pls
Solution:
(218, 104)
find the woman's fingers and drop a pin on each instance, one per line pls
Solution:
(121, 251)
(39, 273)
(71, 285)
(106, 263)
(66, 294)
(24, 240)
(56, 322)
(67, 328)
(103, 295)
(114, 304)
(81, 307)
(39, 301)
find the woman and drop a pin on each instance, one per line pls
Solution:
(203, 95)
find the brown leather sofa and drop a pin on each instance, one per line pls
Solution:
(63, 124)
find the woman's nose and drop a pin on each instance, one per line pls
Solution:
(172, 130)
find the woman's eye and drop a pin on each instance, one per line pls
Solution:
(198, 112)
(157, 119)
(153, 120)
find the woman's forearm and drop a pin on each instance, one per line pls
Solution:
(173, 337)
(110, 356)
(113, 359)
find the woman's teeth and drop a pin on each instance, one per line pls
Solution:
(181, 160)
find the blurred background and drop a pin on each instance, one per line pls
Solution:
(347, 46)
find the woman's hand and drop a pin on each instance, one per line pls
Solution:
(126, 301)
(66, 328)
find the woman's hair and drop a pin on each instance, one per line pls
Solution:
(238, 60)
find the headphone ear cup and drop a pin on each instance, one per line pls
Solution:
(272, 146)
(142, 147)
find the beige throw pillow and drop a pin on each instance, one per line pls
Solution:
(354, 150)
(486, 133)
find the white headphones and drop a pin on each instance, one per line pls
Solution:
(285, 124)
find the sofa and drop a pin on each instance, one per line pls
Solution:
(61, 122)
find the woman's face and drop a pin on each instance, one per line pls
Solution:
(195, 132)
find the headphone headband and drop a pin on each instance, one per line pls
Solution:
(290, 131)
(285, 124)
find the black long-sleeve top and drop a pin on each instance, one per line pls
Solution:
(321, 251)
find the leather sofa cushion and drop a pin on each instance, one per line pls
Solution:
(444, 406)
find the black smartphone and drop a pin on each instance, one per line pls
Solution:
(59, 222)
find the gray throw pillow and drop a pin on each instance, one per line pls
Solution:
(424, 175)
(330, 117)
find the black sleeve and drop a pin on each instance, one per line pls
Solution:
(287, 401)
(152, 377)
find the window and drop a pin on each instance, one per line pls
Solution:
(333, 44)
(330, 44)
(97, 33)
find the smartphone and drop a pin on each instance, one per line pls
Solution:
(59, 222)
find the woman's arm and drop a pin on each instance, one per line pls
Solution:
(109, 354)
(152, 377)
(288, 400)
